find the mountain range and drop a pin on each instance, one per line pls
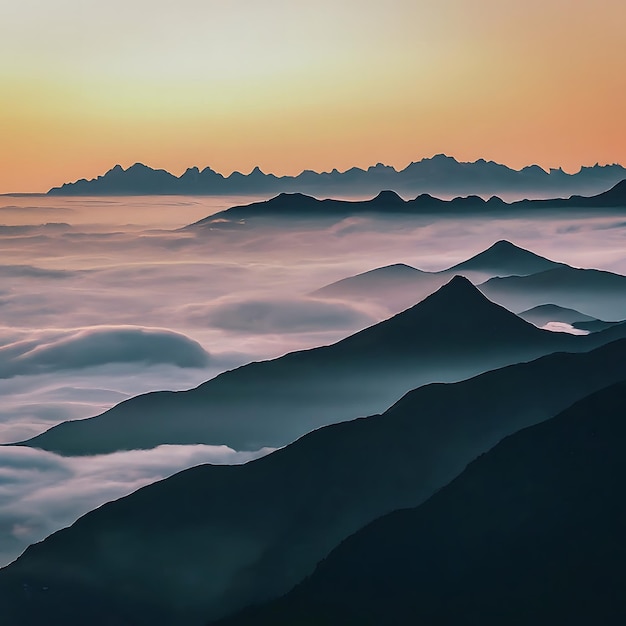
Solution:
(213, 539)
(532, 532)
(388, 203)
(599, 293)
(452, 334)
(440, 174)
(514, 277)
(398, 286)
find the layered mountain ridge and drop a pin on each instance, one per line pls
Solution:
(271, 403)
(213, 539)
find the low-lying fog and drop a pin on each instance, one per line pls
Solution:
(102, 299)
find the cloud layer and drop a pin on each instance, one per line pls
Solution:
(41, 492)
(92, 347)
(286, 315)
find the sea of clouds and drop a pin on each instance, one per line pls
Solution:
(103, 299)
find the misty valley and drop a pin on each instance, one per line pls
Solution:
(273, 409)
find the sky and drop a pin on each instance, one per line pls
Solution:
(290, 85)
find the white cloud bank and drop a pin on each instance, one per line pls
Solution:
(41, 492)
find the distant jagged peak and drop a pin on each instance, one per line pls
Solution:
(380, 167)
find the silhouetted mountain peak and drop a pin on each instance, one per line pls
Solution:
(457, 299)
(459, 287)
(504, 256)
(388, 197)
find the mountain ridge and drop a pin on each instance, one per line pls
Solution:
(439, 173)
(299, 205)
(244, 532)
(362, 374)
(529, 533)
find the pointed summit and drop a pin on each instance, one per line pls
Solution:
(504, 258)
(448, 325)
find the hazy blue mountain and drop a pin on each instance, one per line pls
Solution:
(440, 174)
(397, 286)
(213, 539)
(532, 532)
(544, 313)
(594, 326)
(271, 403)
(599, 293)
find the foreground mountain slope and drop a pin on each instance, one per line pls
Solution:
(453, 334)
(530, 533)
(213, 539)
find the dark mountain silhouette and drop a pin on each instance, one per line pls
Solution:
(440, 174)
(530, 533)
(595, 326)
(504, 258)
(301, 206)
(544, 313)
(213, 539)
(271, 403)
(399, 285)
(600, 294)
(614, 197)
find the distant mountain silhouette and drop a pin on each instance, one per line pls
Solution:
(544, 313)
(453, 334)
(599, 293)
(398, 285)
(594, 326)
(530, 533)
(440, 174)
(301, 206)
(614, 197)
(505, 259)
(213, 539)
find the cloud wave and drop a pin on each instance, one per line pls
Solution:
(285, 315)
(91, 347)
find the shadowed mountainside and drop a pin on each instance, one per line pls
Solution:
(213, 539)
(530, 533)
(271, 403)
(439, 174)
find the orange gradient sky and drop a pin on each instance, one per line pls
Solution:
(293, 85)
